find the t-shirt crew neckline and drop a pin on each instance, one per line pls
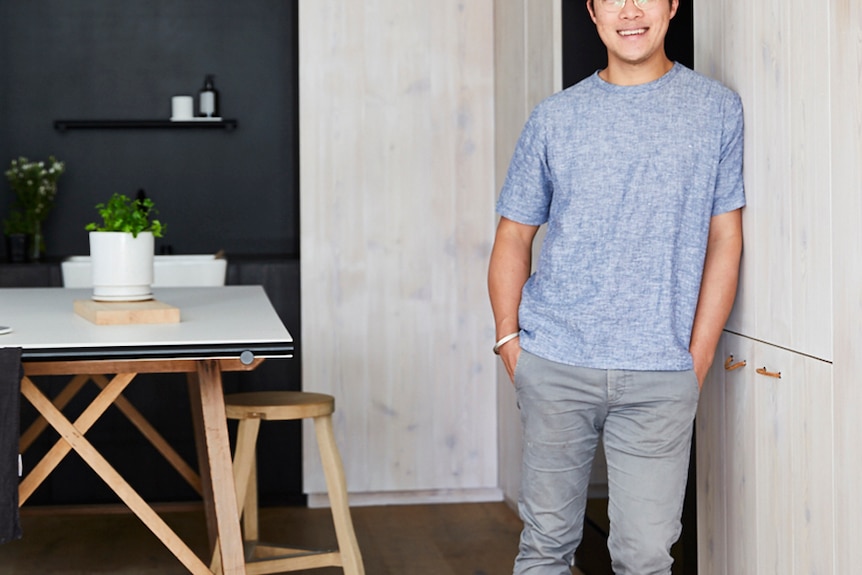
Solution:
(637, 88)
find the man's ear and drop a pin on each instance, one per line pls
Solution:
(590, 9)
(674, 5)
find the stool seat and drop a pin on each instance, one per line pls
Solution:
(278, 405)
(250, 409)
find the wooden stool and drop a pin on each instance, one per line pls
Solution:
(250, 409)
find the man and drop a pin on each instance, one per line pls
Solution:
(637, 171)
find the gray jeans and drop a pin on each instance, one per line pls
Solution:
(646, 421)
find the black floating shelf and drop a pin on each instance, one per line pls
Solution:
(64, 125)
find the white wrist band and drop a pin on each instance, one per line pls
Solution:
(503, 340)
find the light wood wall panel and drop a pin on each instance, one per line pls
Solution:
(772, 53)
(800, 78)
(725, 34)
(810, 182)
(711, 463)
(528, 68)
(397, 193)
(845, 103)
(735, 441)
(794, 495)
(770, 261)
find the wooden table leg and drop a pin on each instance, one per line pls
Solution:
(63, 398)
(83, 423)
(214, 421)
(203, 461)
(115, 481)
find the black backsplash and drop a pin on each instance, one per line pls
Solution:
(103, 59)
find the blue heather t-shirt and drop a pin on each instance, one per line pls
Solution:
(627, 179)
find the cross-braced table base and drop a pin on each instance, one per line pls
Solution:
(208, 414)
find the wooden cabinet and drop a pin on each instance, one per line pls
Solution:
(779, 458)
(775, 59)
(764, 460)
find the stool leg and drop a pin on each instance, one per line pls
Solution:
(244, 462)
(250, 508)
(336, 485)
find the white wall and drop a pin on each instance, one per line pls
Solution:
(397, 192)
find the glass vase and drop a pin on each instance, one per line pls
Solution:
(37, 243)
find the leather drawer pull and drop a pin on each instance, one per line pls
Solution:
(730, 366)
(762, 371)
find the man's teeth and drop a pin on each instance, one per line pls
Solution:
(632, 32)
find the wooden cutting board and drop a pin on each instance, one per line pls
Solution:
(126, 312)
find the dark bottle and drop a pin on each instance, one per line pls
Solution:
(208, 99)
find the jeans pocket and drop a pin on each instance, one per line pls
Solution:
(694, 389)
(519, 367)
(694, 380)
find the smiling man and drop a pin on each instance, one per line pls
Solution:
(637, 172)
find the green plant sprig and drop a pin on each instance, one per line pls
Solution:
(16, 223)
(35, 185)
(122, 214)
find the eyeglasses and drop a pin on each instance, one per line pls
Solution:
(617, 5)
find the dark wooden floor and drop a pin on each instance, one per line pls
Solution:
(442, 539)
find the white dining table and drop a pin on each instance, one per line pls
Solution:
(232, 328)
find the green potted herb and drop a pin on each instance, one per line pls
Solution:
(122, 214)
(122, 249)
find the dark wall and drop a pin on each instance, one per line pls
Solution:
(109, 59)
(584, 53)
(237, 191)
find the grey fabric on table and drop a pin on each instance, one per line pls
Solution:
(11, 373)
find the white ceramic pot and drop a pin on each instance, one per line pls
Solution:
(122, 266)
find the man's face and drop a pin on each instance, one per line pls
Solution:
(632, 34)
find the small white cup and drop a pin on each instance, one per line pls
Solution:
(182, 108)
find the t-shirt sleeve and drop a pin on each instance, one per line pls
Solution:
(729, 188)
(527, 191)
